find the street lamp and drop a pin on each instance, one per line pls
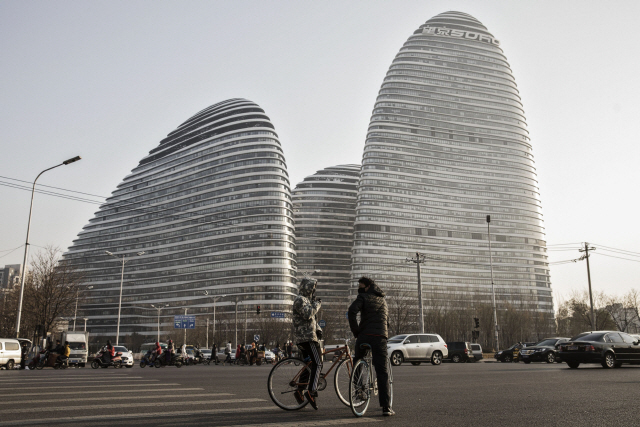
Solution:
(493, 292)
(76, 312)
(85, 323)
(124, 260)
(26, 244)
(214, 317)
(159, 307)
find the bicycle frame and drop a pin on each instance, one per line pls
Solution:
(344, 356)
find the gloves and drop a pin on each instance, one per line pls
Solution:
(319, 334)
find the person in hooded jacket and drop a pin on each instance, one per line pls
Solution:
(373, 330)
(307, 334)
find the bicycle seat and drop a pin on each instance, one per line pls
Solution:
(365, 346)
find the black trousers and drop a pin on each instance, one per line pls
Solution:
(311, 350)
(379, 356)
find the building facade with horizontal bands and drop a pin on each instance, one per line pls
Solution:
(448, 145)
(211, 209)
(324, 211)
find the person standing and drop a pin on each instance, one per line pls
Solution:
(23, 354)
(373, 330)
(289, 349)
(227, 352)
(214, 353)
(307, 334)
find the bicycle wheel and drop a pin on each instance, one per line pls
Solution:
(284, 381)
(341, 380)
(360, 387)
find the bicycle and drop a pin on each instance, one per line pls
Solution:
(286, 376)
(362, 385)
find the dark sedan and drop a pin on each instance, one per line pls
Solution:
(609, 348)
(543, 351)
(512, 353)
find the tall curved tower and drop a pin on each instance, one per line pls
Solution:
(324, 210)
(210, 207)
(448, 145)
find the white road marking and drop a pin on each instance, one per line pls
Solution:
(93, 386)
(75, 381)
(111, 391)
(127, 405)
(48, 421)
(313, 423)
(94, 399)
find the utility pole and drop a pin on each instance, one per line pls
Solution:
(419, 259)
(586, 256)
(493, 291)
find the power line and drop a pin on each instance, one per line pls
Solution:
(50, 186)
(611, 256)
(618, 250)
(12, 251)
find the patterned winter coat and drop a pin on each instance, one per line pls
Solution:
(304, 313)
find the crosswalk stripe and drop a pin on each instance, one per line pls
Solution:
(117, 381)
(313, 423)
(64, 420)
(92, 386)
(73, 377)
(94, 399)
(112, 391)
(87, 378)
(127, 405)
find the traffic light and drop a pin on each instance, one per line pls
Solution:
(475, 319)
(258, 309)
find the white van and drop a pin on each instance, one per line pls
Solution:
(78, 345)
(10, 353)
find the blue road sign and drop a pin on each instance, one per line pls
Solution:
(346, 315)
(184, 322)
(322, 323)
(256, 338)
(277, 314)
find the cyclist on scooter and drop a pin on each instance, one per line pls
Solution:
(156, 352)
(66, 352)
(109, 354)
(307, 334)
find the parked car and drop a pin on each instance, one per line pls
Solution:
(476, 352)
(417, 348)
(609, 348)
(10, 353)
(127, 355)
(512, 353)
(206, 353)
(222, 357)
(544, 351)
(459, 351)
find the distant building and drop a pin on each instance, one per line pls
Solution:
(210, 207)
(10, 275)
(448, 145)
(324, 210)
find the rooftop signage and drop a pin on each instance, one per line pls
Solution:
(469, 35)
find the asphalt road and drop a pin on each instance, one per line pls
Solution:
(477, 394)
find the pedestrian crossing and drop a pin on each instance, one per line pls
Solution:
(195, 396)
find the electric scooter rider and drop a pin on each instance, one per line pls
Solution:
(109, 354)
(307, 334)
(156, 352)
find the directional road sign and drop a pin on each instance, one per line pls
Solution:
(277, 314)
(184, 322)
(322, 324)
(256, 338)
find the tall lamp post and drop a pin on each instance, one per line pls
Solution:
(26, 244)
(159, 307)
(214, 317)
(124, 260)
(85, 323)
(493, 292)
(76, 312)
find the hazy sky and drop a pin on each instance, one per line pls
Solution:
(107, 80)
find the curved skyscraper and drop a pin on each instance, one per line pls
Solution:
(448, 145)
(324, 210)
(210, 207)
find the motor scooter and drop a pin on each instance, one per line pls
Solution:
(98, 362)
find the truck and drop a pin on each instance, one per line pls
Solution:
(79, 346)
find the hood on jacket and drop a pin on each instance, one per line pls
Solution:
(307, 287)
(374, 289)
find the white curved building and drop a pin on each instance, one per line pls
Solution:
(324, 211)
(447, 145)
(211, 209)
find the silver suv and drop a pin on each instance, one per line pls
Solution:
(417, 348)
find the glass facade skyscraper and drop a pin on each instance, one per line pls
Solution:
(211, 209)
(324, 211)
(447, 145)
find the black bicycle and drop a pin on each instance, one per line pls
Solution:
(363, 385)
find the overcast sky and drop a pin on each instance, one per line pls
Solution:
(107, 80)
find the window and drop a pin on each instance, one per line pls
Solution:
(411, 340)
(12, 346)
(627, 338)
(614, 338)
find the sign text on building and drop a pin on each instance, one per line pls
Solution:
(469, 35)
